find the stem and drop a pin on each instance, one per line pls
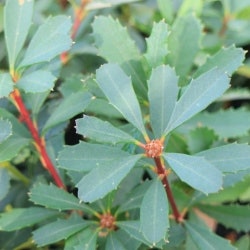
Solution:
(39, 142)
(161, 171)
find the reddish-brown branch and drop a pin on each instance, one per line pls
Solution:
(38, 141)
(161, 171)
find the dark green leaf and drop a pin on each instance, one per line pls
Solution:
(102, 131)
(85, 156)
(203, 238)
(6, 85)
(117, 87)
(195, 171)
(113, 243)
(69, 107)
(154, 213)
(198, 95)
(105, 178)
(4, 183)
(17, 21)
(243, 243)
(51, 39)
(59, 230)
(229, 158)
(157, 45)
(56, 198)
(232, 216)
(5, 129)
(162, 91)
(23, 217)
(37, 81)
(227, 59)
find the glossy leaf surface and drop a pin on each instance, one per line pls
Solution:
(6, 129)
(4, 183)
(113, 243)
(6, 85)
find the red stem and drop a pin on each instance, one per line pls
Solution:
(161, 171)
(38, 141)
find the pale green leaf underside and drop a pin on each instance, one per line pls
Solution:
(229, 158)
(117, 87)
(195, 171)
(101, 131)
(58, 230)
(199, 94)
(203, 238)
(154, 213)
(6, 85)
(5, 129)
(17, 21)
(4, 183)
(23, 217)
(37, 81)
(69, 107)
(101, 180)
(51, 39)
(162, 94)
(86, 156)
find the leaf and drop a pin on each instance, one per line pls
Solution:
(86, 156)
(4, 183)
(107, 4)
(19, 218)
(58, 230)
(195, 171)
(166, 9)
(226, 59)
(113, 243)
(37, 81)
(229, 158)
(232, 216)
(162, 94)
(68, 108)
(51, 39)
(117, 87)
(101, 131)
(6, 85)
(56, 198)
(205, 239)
(17, 21)
(101, 180)
(184, 43)
(157, 45)
(199, 94)
(6, 129)
(189, 6)
(154, 213)
(11, 146)
(115, 45)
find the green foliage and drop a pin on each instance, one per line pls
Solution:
(134, 121)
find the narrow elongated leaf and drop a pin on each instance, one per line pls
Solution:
(11, 146)
(23, 217)
(37, 81)
(203, 238)
(17, 21)
(86, 156)
(113, 243)
(195, 171)
(56, 198)
(51, 39)
(227, 59)
(101, 131)
(198, 95)
(154, 213)
(6, 85)
(69, 107)
(101, 180)
(183, 43)
(4, 183)
(58, 230)
(6, 129)
(162, 94)
(232, 216)
(229, 158)
(157, 45)
(116, 46)
(117, 87)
